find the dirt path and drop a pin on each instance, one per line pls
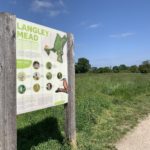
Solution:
(138, 139)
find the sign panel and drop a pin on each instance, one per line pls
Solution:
(42, 68)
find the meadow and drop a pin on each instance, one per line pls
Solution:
(107, 107)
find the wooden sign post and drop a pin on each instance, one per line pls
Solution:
(70, 122)
(8, 134)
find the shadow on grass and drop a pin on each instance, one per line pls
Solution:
(39, 133)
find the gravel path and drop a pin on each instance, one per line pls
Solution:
(138, 139)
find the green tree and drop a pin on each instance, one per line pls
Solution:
(123, 67)
(83, 65)
(134, 69)
(76, 68)
(94, 69)
(107, 69)
(145, 67)
(146, 62)
(101, 70)
(115, 69)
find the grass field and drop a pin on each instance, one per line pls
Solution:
(107, 106)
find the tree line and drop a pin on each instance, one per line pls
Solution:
(83, 65)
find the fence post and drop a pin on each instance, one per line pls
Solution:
(70, 121)
(8, 135)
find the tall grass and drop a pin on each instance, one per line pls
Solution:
(107, 106)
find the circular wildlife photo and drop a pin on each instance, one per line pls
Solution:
(21, 89)
(48, 75)
(48, 65)
(36, 65)
(59, 75)
(21, 76)
(49, 86)
(36, 87)
(36, 76)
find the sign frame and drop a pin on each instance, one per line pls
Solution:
(40, 86)
(8, 130)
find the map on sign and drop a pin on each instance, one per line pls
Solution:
(41, 67)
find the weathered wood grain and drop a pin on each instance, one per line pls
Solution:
(8, 82)
(70, 119)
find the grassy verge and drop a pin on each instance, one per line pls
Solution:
(108, 105)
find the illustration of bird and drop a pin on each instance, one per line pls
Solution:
(65, 85)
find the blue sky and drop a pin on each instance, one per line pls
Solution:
(107, 32)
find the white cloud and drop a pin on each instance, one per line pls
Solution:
(92, 26)
(61, 3)
(87, 25)
(51, 7)
(54, 13)
(122, 35)
(39, 5)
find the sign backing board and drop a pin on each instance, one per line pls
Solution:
(42, 67)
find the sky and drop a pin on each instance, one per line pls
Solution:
(107, 32)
